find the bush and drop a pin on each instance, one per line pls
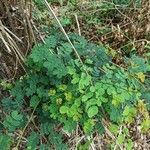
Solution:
(63, 90)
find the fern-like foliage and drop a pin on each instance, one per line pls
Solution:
(65, 91)
(17, 97)
(13, 121)
(56, 54)
(33, 141)
(5, 142)
(56, 139)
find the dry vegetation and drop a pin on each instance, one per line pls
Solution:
(129, 28)
(126, 32)
(17, 36)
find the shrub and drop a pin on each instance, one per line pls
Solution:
(64, 90)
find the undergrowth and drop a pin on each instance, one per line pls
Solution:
(64, 92)
(61, 94)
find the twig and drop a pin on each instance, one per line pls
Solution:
(116, 140)
(12, 34)
(37, 31)
(91, 143)
(78, 25)
(17, 145)
(5, 43)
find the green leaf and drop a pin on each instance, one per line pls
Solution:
(9, 104)
(71, 70)
(100, 128)
(141, 76)
(88, 126)
(5, 142)
(16, 116)
(13, 121)
(69, 125)
(44, 147)
(63, 109)
(84, 146)
(129, 144)
(129, 113)
(115, 114)
(145, 125)
(84, 81)
(87, 96)
(92, 111)
(75, 79)
(121, 139)
(92, 89)
(34, 101)
(114, 128)
(33, 141)
(91, 102)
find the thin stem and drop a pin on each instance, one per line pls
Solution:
(26, 127)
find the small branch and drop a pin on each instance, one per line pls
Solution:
(17, 145)
(78, 25)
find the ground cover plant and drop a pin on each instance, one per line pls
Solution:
(74, 95)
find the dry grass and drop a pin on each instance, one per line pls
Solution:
(16, 35)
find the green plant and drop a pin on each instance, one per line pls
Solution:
(13, 121)
(122, 136)
(64, 90)
(5, 142)
(55, 138)
(33, 141)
